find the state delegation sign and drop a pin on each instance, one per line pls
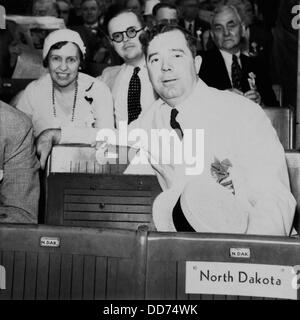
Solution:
(241, 279)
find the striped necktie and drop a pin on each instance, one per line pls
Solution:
(134, 96)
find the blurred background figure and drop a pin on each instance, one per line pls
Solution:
(148, 12)
(75, 15)
(136, 6)
(43, 8)
(63, 8)
(190, 17)
(285, 51)
(99, 52)
(90, 13)
(25, 49)
(6, 38)
(165, 13)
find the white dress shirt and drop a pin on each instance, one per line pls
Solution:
(187, 26)
(120, 91)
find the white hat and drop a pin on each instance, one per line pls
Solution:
(149, 5)
(206, 205)
(2, 17)
(62, 35)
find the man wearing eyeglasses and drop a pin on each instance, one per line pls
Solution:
(129, 83)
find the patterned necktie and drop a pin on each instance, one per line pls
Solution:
(236, 73)
(134, 96)
(174, 124)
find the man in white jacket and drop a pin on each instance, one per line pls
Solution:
(242, 184)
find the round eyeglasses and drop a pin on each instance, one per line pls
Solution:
(131, 32)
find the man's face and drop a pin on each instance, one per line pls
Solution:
(227, 31)
(90, 11)
(166, 15)
(171, 66)
(130, 48)
(63, 11)
(41, 9)
(63, 64)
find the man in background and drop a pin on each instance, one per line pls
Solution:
(94, 38)
(191, 21)
(129, 83)
(225, 67)
(165, 13)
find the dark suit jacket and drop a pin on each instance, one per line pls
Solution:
(214, 73)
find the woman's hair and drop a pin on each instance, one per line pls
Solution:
(58, 46)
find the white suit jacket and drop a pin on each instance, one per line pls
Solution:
(238, 130)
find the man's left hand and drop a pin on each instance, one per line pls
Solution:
(44, 143)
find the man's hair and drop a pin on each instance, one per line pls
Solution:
(153, 32)
(222, 8)
(58, 46)
(241, 6)
(114, 11)
(161, 5)
(83, 1)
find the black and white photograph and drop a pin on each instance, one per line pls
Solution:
(149, 153)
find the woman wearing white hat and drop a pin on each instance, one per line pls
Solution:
(72, 103)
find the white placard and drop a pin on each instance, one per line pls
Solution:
(240, 279)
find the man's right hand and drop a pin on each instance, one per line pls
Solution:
(44, 143)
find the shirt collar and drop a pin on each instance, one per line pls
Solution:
(228, 56)
(190, 100)
(142, 65)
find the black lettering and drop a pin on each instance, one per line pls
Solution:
(243, 277)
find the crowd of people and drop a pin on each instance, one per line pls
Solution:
(158, 66)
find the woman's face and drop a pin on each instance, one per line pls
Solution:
(63, 64)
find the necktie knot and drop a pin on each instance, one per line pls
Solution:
(235, 59)
(175, 124)
(174, 113)
(136, 70)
